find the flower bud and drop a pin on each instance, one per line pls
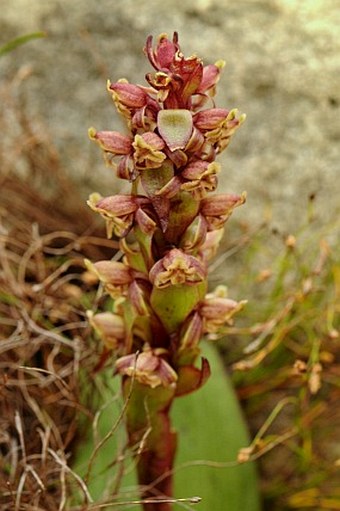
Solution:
(191, 333)
(210, 246)
(211, 75)
(148, 367)
(139, 296)
(194, 235)
(163, 55)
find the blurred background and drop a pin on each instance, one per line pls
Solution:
(282, 70)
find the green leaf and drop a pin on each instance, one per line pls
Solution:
(210, 427)
(18, 41)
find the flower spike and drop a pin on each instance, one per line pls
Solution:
(170, 226)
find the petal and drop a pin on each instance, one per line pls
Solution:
(211, 75)
(210, 118)
(148, 368)
(128, 94)
(113, 272)
(111, 141)
(117, 205)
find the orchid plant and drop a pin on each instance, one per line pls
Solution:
(169, 226)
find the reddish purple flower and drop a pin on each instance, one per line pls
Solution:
(148, 367)
(217, 208)
(121, 211)
(217, 310)
(177, 268)
(110, 327)
(176, 78)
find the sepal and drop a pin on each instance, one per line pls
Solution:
(190, 378)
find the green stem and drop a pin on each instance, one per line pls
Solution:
(150, 435)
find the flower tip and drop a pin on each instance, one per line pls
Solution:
(92, 132)
(232, 114)
(89, 314)
(93, 200)
(242, 118)
(88, 264)
(162, 36)
(220, 64)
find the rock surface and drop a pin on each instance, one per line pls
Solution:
(282, 70)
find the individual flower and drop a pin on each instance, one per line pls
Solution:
(148, 367)
(177, 268)
(115, 276)
(111, 141)
(200, 177)
(121, 211)
(217, 310)
(110, 328)
(127, 97)
(216, 209)
(147, 151)
(218, 125)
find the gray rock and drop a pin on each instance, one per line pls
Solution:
(282, 70)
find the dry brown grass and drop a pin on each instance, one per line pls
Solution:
(44, 337)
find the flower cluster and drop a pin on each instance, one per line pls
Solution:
(169, 155)
(169, 226)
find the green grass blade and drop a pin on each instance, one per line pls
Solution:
(19, 41)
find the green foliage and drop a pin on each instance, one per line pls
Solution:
(285, 349)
